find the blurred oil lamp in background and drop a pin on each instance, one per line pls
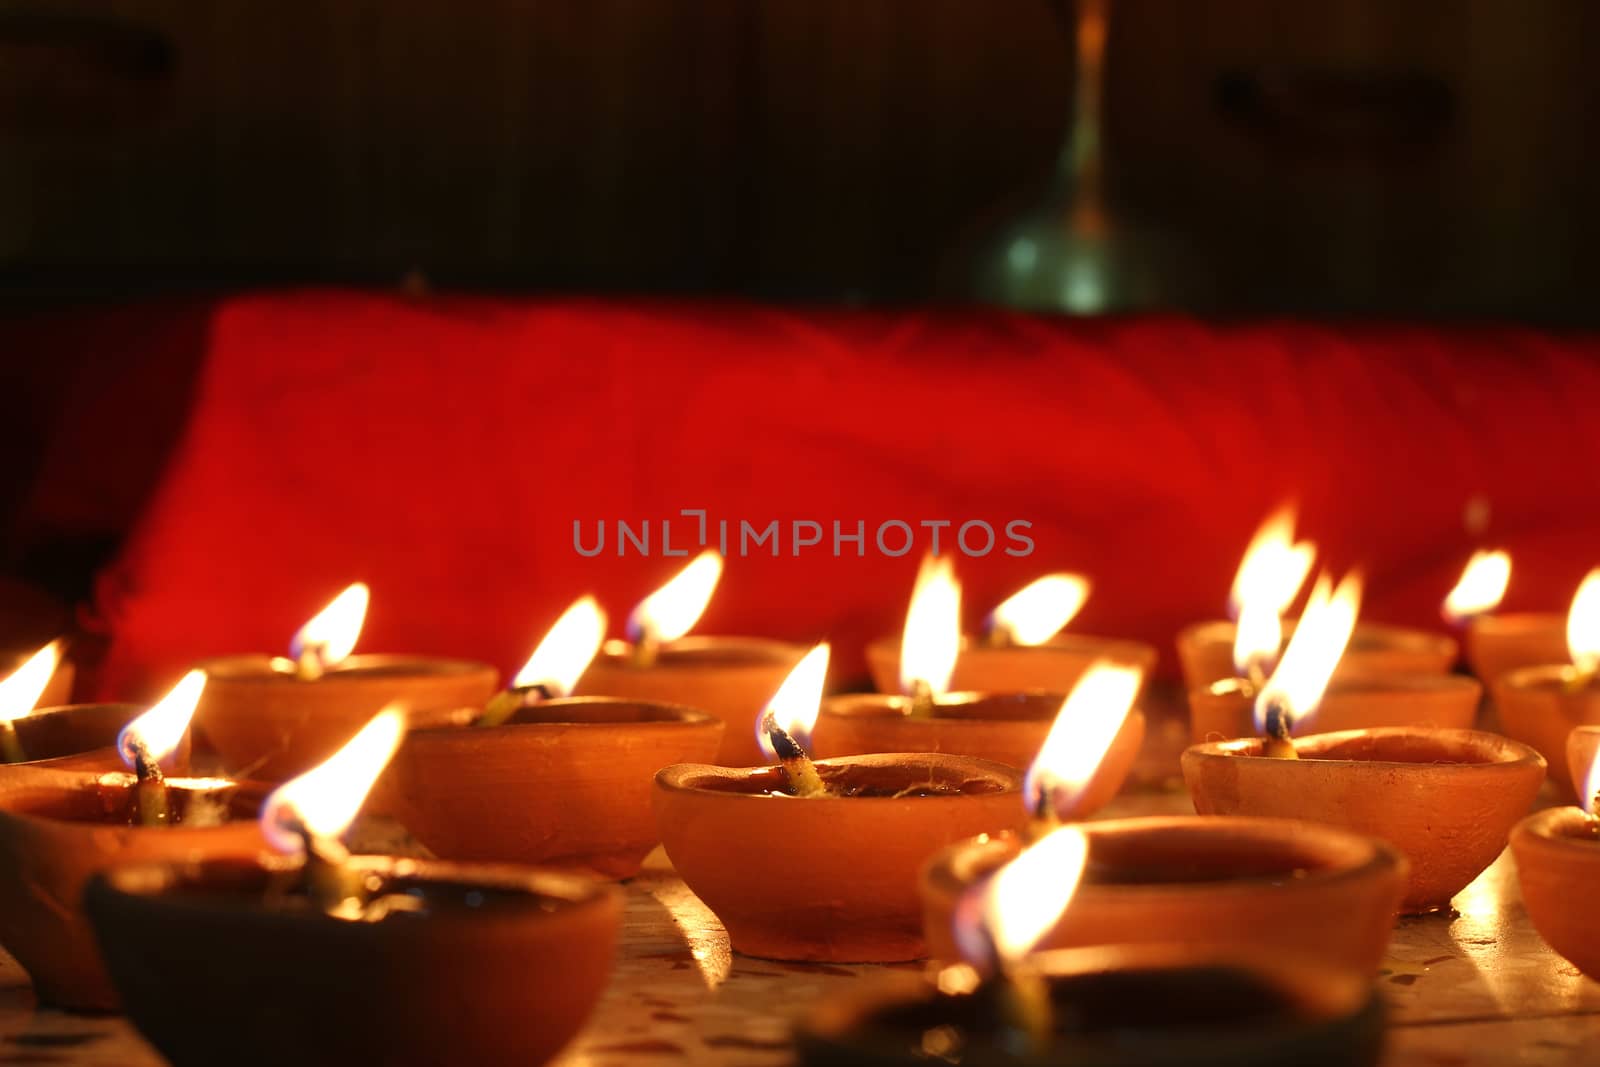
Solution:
(1021, 647)
(20, 693)
(1135, 1004)
(1558, 865)
(1500, 642)
(818, 860)
(339, 959)
(1541, 705)
(730, 677)
(541, 777)
(57, 689)
(271, 717)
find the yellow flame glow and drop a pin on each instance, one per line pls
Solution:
(1257, 636)
(1583, 624)
(932, 637)
(1270, 576)
(798, 700)
(1081, 736)
(1482, 585)
(1037, 612)
(1319, 640)
(332, 632)
(23, 687)
(1591, 784)
(325, 799)
(567, 650)
(1025, 898)
(161, 728)
(671, 611)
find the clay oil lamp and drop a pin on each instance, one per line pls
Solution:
(57, 828)
(1142, 1005)
(1021, 646)
(1445, 798)
(271, 717)
(540, 777)
(1541, 705)
(1500, 642)
(316, 956)
(1558, 865)
(730, 677)
(818, 860)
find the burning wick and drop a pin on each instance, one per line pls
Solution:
(19, 693)
(556, 664)
(671, 611)
(1275, 741)
(151, 737)
(1083, 732)
(793, 710)
(330, 635)
(804, 781)
(1301, 678)
(931, 640)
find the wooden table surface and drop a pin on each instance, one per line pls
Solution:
(1476, 988)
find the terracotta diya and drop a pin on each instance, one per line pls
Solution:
(1145, 1005)
(57, 828)
(1205, 652)
(818, 861)
(1021, 647)
(1558, 861)
(730, 677)
(272, 717)
(1226, 709)
(337, 960)
(1496, 643)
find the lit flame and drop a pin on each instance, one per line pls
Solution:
(1078, 740)
(331, 633)
(798, 700)
(1270, 576)
(1022, 901)
(1591, 787)
(932, 638)
(159, 730)
(566, 651)
(324, 800)
(1583, 624)
(1482, 585)
(671, 611)
(22, 689)
(1038, 611)
(1319, 640)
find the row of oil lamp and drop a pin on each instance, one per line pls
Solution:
(914, 832)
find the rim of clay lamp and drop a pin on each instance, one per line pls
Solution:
(1362, 682)
(254, 666)
(698, 651)
(687, 778)
(1485, 752)
(1519, 622)
(672, 716)
(1551, 677)
(119, 713)
(1367, 636)
(1116, 649)
(1555, 832)
(1038, 705)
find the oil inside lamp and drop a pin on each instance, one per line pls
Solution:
(1089, 721)
(931, 641)
(147, 740)
(308, 815)
(1269, 578)
(1037, 612)
(785, 725)
(556, 664)
(671, 611)
(1480, 588)
(328, 637)
(1295, 688)
(19, 693)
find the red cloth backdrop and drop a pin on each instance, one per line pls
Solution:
(440, 450)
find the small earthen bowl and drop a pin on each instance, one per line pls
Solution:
(1500, 644)
(502, 965)
(269, 725)
(565, 783)
(1226, 709)
(1054, 666)
(1445, 798)
(1536, 707)
(80, 737)
(1221, 883)
(1116, 1006)
(1558, 865)
(55, 832)
(57, 691)
(827, 878)
(1205, 651)
(733, 678)
(1583, 745)
(1006, 728)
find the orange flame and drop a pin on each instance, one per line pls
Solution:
(1481, 587)
(324, 800)
(798, 700)
(1037, 612)
(23, 687)
(566, 651)
(1583, 624)
(671, 611)
(1319, 640)
(1081, 736)
(932, 637)
(159, 730)
(1022, 901)
(332, 632)
(1270, 576)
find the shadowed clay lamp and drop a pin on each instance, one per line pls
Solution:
(539, 778)
(270, 717)
(1021, 647)
(1540, 706)
(1114, 1006)
(818, 861)
(57, 828)
(730, 677)
(1226, 709)
(1558, 865)
(332, 959)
